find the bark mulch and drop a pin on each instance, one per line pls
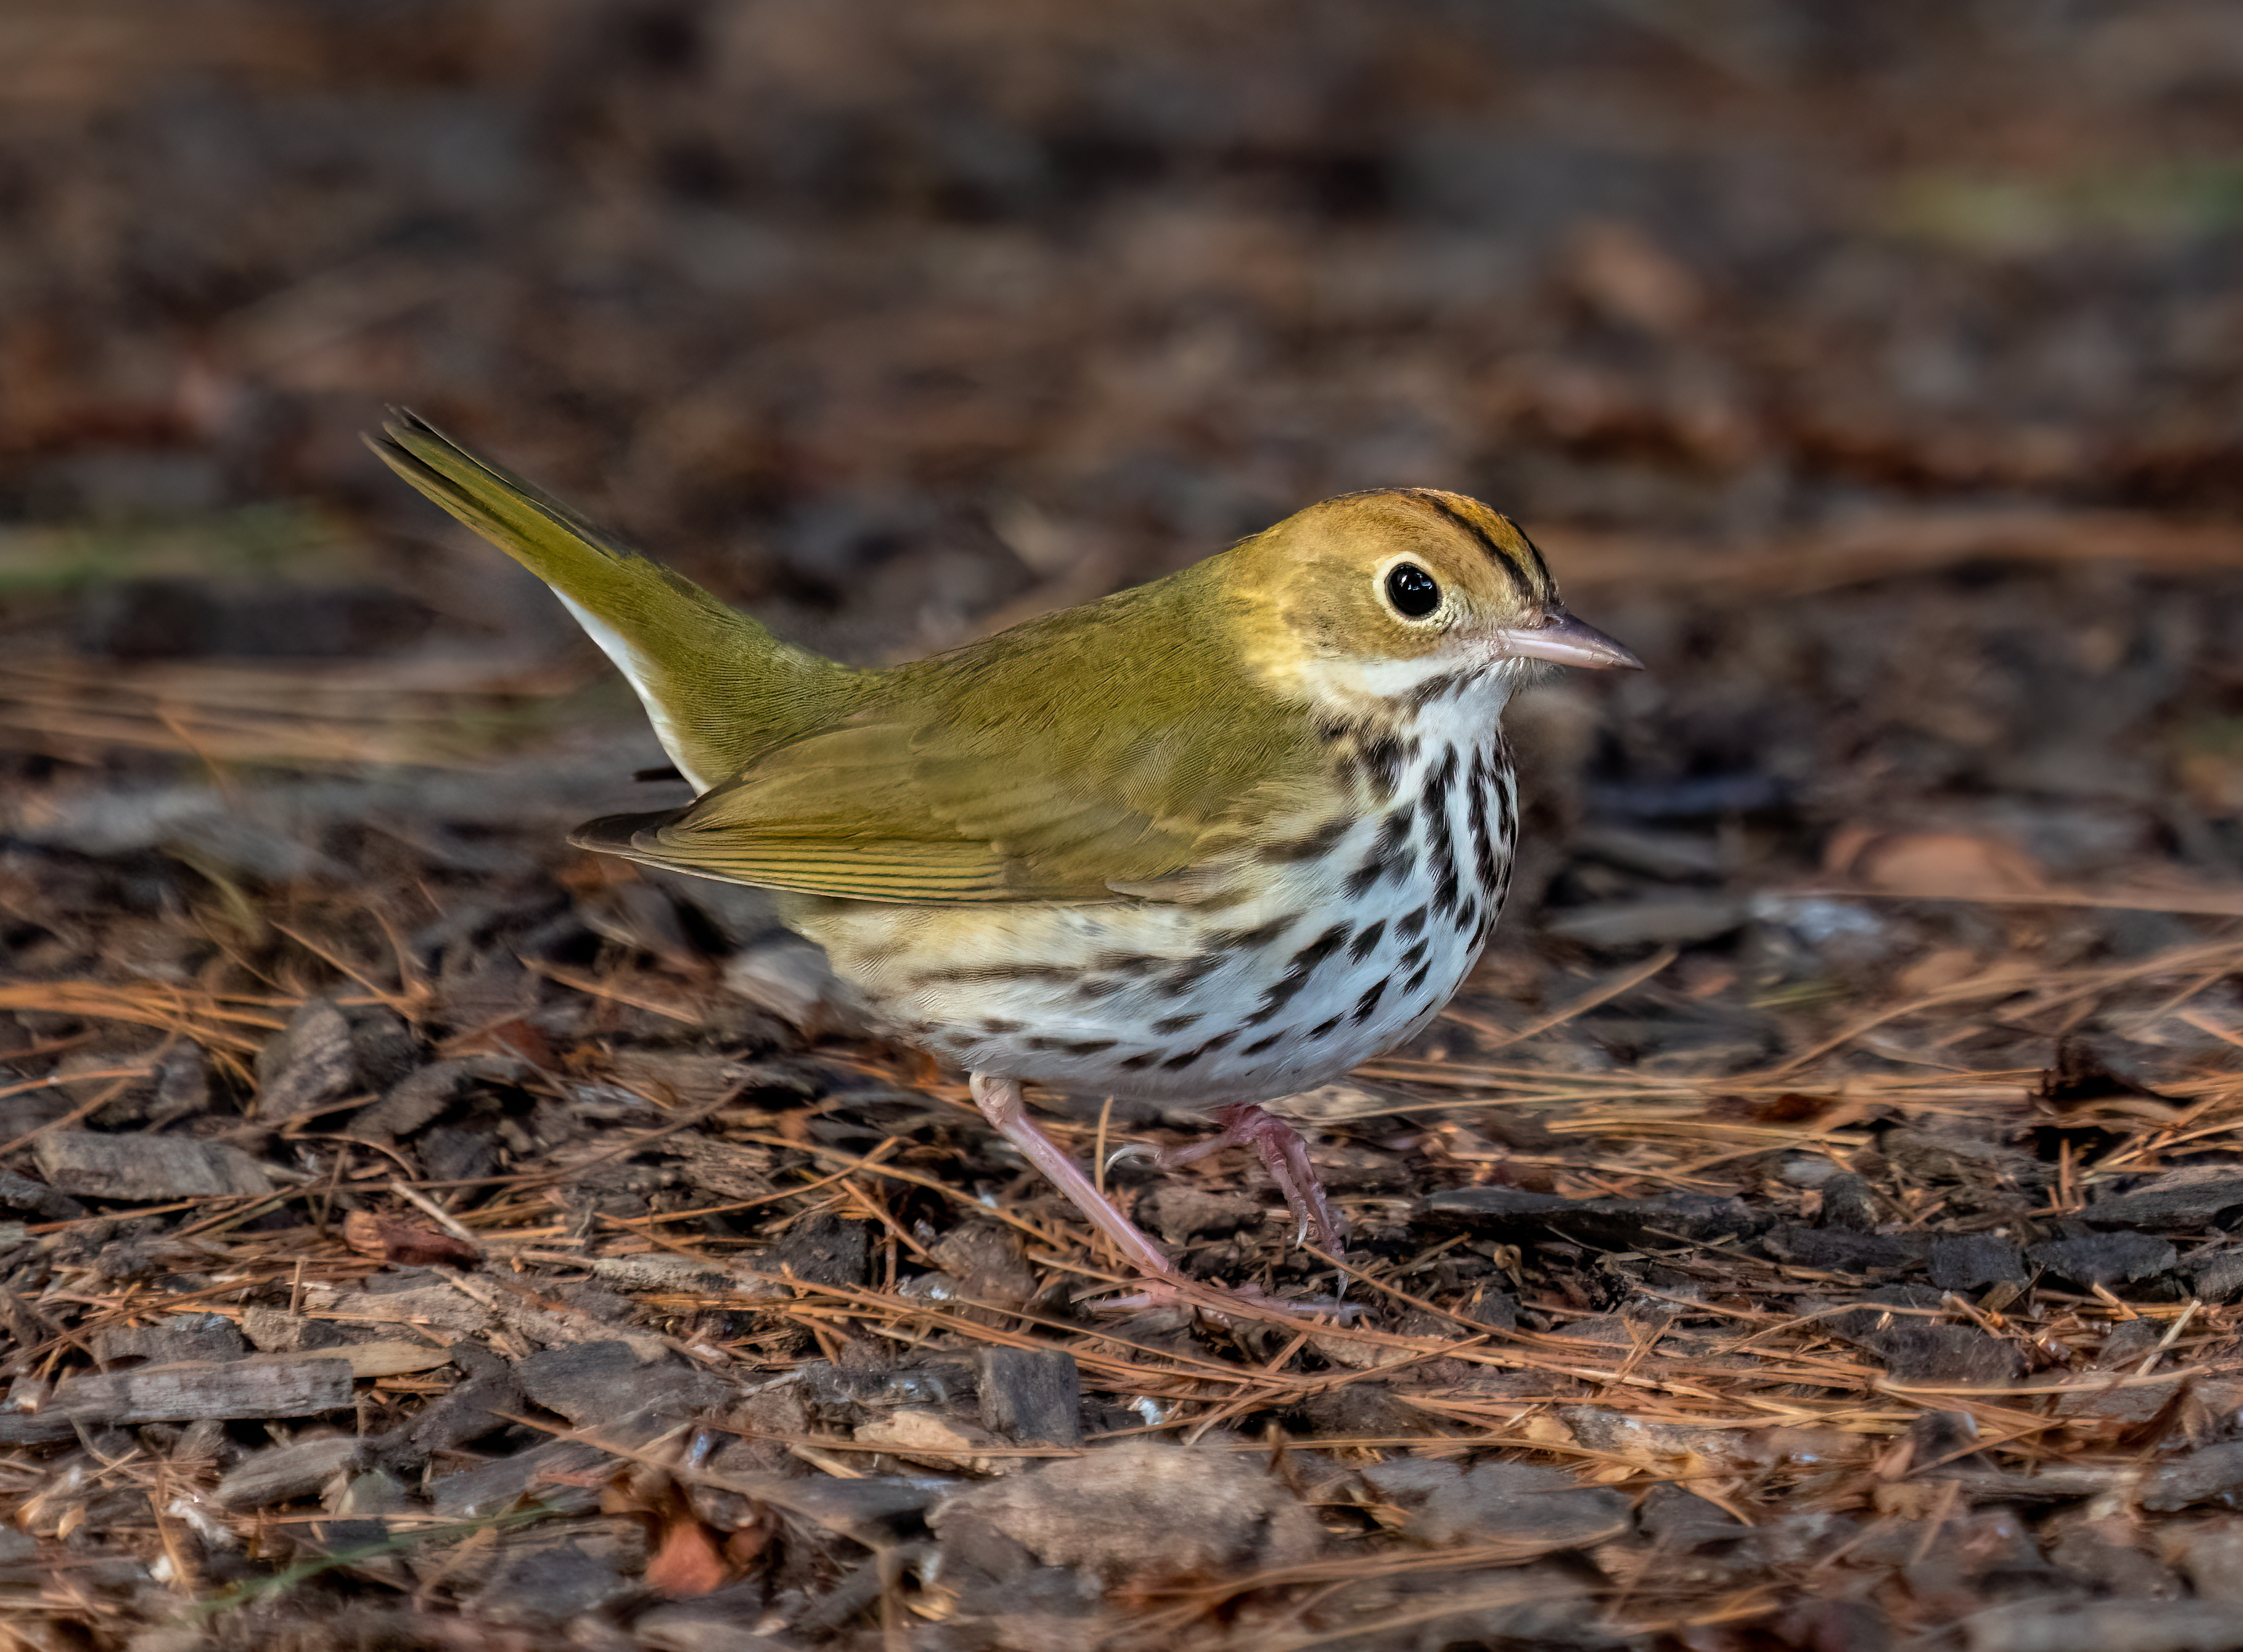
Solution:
(496, 1257)
(1815, 1224)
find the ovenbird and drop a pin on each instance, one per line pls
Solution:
(1216, 838)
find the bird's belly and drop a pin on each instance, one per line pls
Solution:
(1322, 967)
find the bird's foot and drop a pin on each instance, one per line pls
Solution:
(1286, 1157)
(1166, 1284)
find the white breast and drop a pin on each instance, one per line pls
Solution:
(1340, 955)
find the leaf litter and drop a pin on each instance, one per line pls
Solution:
(644, 1299)
(1816, 1224)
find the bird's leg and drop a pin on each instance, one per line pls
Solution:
(1285, 1156)
(1002, 1105)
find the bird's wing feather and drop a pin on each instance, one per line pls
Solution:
(1036, 771)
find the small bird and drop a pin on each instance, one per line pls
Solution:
(1214, 839)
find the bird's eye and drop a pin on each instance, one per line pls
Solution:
(1413, 592)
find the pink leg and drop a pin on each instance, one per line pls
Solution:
(1286, 1156)
(1000, 1103)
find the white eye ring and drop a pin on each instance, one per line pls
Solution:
(1409, 591)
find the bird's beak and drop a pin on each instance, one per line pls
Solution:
(1566, 639)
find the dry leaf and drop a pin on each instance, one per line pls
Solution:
(1933, 865)
(513, 1036)
(686, 1562)
(918, 1434)
(407, 1243)
(1620, 269)
(1941, 968)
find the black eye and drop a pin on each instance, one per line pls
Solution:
(1413, 592)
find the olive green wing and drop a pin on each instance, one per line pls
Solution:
(1045, 764)
(870, 813)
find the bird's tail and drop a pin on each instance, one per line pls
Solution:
(716, 685)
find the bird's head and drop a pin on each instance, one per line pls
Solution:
(1403, 592)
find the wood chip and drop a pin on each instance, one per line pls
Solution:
(1034, 1395)
(295, 1385)
(264, 1477)
(146, 1169)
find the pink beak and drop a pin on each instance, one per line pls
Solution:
(1566, 639)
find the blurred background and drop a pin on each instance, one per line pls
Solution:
(1875, 369)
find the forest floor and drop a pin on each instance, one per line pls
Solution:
(1816, 1222)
